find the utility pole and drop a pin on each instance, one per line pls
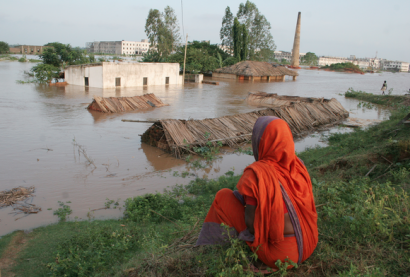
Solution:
(183, 73)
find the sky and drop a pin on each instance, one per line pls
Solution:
(329, 28)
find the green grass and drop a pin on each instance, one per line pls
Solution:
(364, 221)
(393, 101)
(8, 57)
(4, 242)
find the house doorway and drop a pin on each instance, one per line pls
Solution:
(117, 82)
(145, 81)
(167, 80)
(86, 81)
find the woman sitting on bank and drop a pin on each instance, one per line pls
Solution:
(274, 209)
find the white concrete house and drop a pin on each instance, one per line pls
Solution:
(112, 75)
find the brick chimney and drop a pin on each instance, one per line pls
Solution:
(296, 45)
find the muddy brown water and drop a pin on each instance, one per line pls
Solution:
(39, 123)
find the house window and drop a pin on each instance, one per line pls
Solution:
(167, 80)
(118, 82)
(86, 81)
(145, 81)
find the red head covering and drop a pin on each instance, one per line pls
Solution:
(277, 162)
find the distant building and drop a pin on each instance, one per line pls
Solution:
(112, 75)
(395, 65)
(28, 49)
(363, 63)
(119, 47)
(283, 55)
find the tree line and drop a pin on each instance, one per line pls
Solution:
(245, 37)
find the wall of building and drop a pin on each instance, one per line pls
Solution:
(119, 47)
(132, 74)
(28, 49)
(395, 65)
(75, 74)
(135, 47)
(223, 75)
(104, 75)
(283, 55)
(363, 63)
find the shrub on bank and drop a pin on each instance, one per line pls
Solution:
(343, 67)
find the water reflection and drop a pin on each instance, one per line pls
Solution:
(158, 159)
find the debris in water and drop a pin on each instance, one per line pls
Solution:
(25, 208)
(360, 122)
(10, 197)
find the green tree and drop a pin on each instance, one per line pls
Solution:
(230, 61)
(45, 72)
(60, 55)
(310, 59)
(237, 39)
(241, 38)
(226, 32)
(261, 45)
(4, 47)
(162, 31)
(201, 56)
(171, 24)
(245, 41)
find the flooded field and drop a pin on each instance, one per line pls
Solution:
(40, 126)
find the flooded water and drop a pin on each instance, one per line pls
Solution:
(40, 123)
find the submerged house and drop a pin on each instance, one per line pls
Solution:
(303, 115)
(112, 75)
(253, 70)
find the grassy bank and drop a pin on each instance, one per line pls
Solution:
(360, 182)
(8, 57)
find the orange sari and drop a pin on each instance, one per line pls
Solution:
(277, 175)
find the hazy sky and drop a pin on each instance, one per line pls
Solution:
(336, 28)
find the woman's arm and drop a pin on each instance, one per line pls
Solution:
(250, 218)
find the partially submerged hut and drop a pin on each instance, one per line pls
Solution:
(125, 104)
(303, 117)
(264, 99)
(253, 70)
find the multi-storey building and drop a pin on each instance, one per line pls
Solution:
(395, 65)
(119, 47)
(283, 55)
(363, 63)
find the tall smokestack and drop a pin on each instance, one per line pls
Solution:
(296, 45)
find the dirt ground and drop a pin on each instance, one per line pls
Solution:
(7, 260)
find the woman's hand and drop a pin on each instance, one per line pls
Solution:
(250, 218)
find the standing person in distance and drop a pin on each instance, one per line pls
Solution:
(384, 87)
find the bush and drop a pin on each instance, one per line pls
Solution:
(93, 251)
(344, 66)
(23, 59)
(140, 208)
(4, 47)
(45, 72)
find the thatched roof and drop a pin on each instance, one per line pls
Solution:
(303, 117)
(125, 104)
(256, 69)
(263, 99)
